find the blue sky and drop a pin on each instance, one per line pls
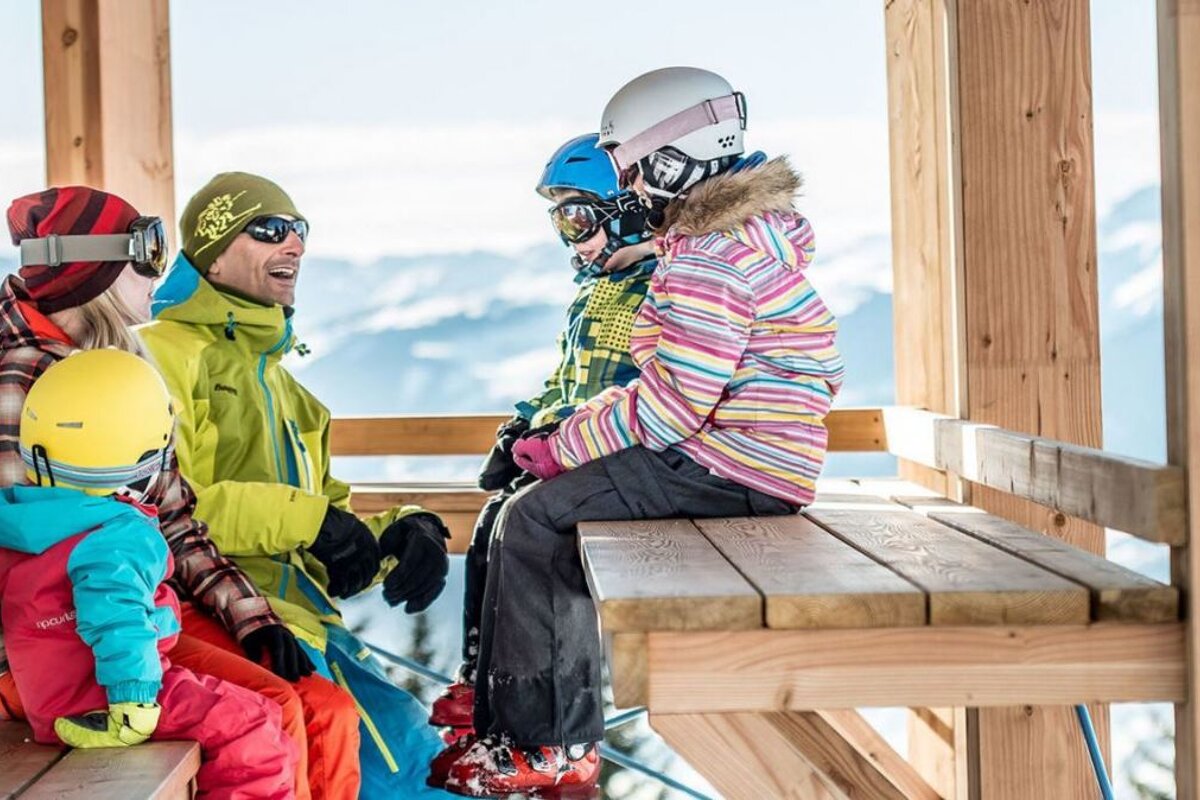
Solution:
(392, 123)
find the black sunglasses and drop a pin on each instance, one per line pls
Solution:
(275, 229)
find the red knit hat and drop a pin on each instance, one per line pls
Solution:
(68, 210)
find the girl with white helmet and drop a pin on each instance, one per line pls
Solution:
(738, 370)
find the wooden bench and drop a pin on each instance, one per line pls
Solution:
(751, 641)
(156, 770)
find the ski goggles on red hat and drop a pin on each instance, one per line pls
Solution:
(144, 246)
(274, 230)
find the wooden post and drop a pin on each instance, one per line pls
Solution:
(1179, 109)
(107, 91)
(996, 272)
(925, 216)
(1031, 303)
(925, 259)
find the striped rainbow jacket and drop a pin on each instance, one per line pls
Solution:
(737, 350)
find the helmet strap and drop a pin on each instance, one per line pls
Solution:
(626, 227)
(669, 173)
(40, 458)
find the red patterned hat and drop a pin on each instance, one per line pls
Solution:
(68, 210)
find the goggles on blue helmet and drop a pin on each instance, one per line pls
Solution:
(578, 219)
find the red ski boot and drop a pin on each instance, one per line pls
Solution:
(492, 766)
(439, 768)
(455, 707)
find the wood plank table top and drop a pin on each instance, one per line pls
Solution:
(866, 554)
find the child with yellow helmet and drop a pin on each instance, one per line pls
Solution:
(88, 619)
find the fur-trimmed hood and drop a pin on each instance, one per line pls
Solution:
(728, 200)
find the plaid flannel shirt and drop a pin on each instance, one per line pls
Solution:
(201, 574)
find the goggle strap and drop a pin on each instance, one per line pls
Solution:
(56, 250)
(676, 126)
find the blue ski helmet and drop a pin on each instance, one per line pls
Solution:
(580, 166)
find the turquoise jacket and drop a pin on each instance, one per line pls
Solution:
(95, 558)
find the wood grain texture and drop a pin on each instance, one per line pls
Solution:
(154, 770)
(1129, 494)
(745, 756)
(627, 667)
(407, 435)
(967, 581)
(71, 69)
(925, 214)
(810, 578)
(108, 99)
(664, 575)
(1118, 594)
(936, 736)
(768, 670)
(22, 760)
(850, 430)
(1179, 110)
(849, 726)
(1031, 299)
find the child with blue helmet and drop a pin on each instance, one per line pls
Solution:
(613, 258)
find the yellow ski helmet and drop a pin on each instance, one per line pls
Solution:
(99, 421)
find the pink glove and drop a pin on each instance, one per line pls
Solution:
(535, 455)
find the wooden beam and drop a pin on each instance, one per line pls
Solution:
(746, 756)
(1179, 110)
(427, 435)
(810, 578)
(664, 575)
(935, 737)
(767, 670)
(925, 215)
(926, 208)
(107, 88)
(850, 430)
(1139, 497)
(627, 667)
(1031, 324)
(849, 725)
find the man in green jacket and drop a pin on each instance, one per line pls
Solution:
(254, 444)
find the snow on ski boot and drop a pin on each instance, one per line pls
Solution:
(495, 766)
(439, 767)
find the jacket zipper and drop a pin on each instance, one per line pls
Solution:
(262, 381)
(303, 456)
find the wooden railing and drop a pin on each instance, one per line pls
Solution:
(459, 502)
(851, 430)
(1128, 494)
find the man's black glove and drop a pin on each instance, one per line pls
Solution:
(349, 552)
(498, 469)
(418, 541)
(288, 659)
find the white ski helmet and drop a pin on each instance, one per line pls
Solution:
(693, 110)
